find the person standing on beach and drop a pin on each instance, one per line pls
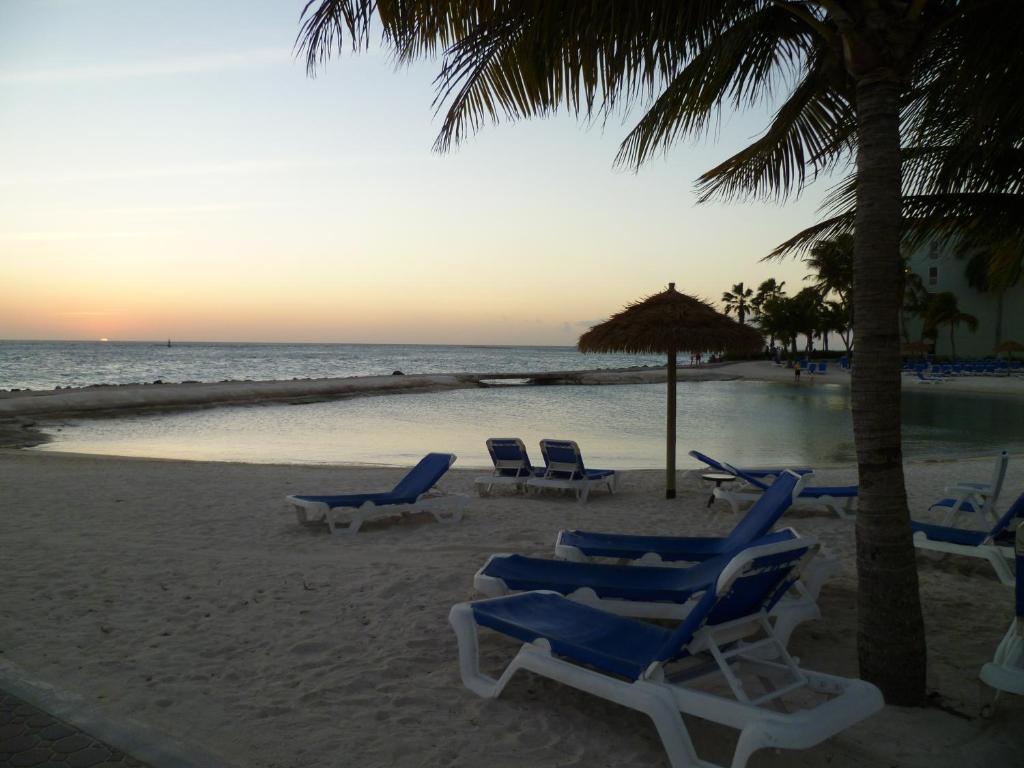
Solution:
(796, 371)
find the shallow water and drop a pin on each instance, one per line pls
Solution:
(616, 426)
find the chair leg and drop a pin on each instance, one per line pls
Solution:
(1000, 565)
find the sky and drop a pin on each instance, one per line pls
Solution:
(170, 171)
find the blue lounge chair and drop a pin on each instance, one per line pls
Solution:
(648, 592)
(511, 465)
(1006, 670)
(975, 497)
(564, 470)
(758, 472)
(721, 663)
(411, 494)
(841, 499)
(581, 546)
(994, 545)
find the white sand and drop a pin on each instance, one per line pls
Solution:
(185, 595)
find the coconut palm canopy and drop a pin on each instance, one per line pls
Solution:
(1009, 346)
(670, 322)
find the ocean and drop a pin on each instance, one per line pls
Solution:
(47, 364)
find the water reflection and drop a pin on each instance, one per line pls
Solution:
(619, 426)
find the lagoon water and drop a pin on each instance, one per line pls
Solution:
(616, 426)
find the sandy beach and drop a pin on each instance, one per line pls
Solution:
(183, 595)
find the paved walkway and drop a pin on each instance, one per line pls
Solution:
(30, 737)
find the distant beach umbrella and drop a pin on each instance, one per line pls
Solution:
(668, 323)
(915, 348)
(1008, 347)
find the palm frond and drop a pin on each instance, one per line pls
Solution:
(810, 133)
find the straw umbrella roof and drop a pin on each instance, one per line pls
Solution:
(1009, 346)
(670, 321)
(915, 348)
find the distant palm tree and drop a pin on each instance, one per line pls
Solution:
(768, 289)
(990, 271)
(738, 300)
(944, 309)
(835, 318)
(915, 299)
(832, 263)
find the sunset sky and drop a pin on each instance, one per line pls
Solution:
(169, 171)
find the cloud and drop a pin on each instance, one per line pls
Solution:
(184, 65)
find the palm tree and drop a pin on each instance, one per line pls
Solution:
(858, 72)
(768, 289)
(780, 318)
(832, 263)
(944, 309)
(738, 300)
(989, 271)
(915, 300)
(835, 318)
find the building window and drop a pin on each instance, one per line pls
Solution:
(933, 251)
(933, 276)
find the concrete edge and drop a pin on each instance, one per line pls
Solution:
(129, 736)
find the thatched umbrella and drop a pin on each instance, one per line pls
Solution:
(670, 322)
(915, 348)
(1008, 347)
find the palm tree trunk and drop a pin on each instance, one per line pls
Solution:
(952, 339)
(890, 629)
(999, 316)
(670, 430)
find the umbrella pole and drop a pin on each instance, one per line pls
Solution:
(670, 445)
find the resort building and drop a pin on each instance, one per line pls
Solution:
(999, 317)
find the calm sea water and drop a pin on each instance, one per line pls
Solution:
(48, 364)
(616, 426)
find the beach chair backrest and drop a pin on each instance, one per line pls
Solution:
(716, 465)
(424, 475)
(754, 580)
(509, 456)
(750, 479)
(998, 476)
(766, 511)
(562, 457)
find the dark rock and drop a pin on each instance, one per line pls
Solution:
(33, 757)
(72, 743)
(88, 757)
(18, 744)
(397, 373)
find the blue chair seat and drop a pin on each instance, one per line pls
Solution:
(625, 582)
(950, 535)
(631, 547)
(966, 506)
(358, 499)
(611, 643)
